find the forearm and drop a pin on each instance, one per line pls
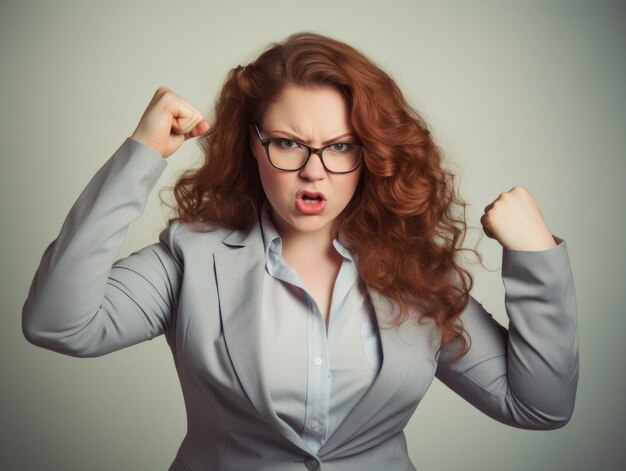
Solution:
(528, 376)
(543, 338)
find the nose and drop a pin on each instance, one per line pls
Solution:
(314, 169)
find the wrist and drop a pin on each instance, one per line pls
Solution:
(535, 244)
(144, 142)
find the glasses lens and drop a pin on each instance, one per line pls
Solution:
(342, 156)
(286, 154)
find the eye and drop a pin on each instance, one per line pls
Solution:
(287, 144)
(341, 146)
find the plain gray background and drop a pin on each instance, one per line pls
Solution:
(516, 93)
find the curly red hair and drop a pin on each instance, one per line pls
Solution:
(403, 222)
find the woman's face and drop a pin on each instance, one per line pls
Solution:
(317, 117)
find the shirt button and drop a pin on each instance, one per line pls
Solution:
(311, 463)
(314, 426)
(318, 361)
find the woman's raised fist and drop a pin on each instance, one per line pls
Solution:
(167, 122)
(515, 221)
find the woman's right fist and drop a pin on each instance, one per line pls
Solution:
(168, 121)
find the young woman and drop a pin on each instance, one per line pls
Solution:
(309, 287)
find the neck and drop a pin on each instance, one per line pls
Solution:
(305, 246)
(308, 250)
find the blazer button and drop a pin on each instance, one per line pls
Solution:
(311, 463)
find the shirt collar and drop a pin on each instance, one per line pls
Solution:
(271, 239)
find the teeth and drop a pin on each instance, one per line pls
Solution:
(310, 200)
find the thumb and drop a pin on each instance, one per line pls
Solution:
(201, 128)
(183, 124)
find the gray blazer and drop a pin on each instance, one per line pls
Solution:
(201, 287)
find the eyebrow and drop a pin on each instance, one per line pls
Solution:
(299, 139)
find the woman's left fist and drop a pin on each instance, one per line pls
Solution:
(514, 220)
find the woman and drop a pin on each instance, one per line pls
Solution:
(309, 287)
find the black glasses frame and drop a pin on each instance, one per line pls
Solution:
(311, 150)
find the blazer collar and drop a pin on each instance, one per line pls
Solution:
(242, 238)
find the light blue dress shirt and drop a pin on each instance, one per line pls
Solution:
(315, 375)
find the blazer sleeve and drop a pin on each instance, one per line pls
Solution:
(527, 376)
(81, 301)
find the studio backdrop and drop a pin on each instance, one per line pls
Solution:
(515, 93)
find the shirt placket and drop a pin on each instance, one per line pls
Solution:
(318, 384)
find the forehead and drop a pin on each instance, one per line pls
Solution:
(311, 112)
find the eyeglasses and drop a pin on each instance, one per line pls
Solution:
(289, 155)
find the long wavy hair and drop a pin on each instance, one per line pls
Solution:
(405, 223)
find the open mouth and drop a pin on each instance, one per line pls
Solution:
(310, 197)
(310, 202)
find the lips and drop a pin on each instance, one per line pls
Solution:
(310, 202)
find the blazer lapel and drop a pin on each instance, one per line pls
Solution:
(398, 344)
(239, 271)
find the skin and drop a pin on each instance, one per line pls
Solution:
(514, 219)
(314, 116)
(167, 122)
